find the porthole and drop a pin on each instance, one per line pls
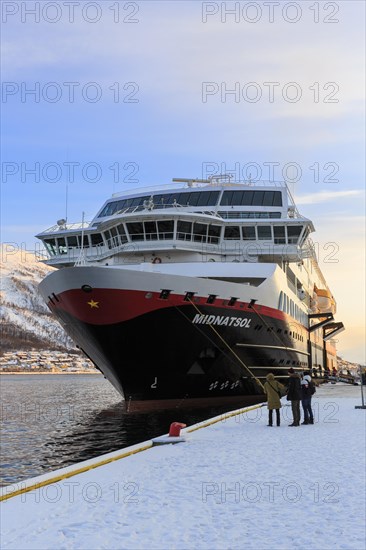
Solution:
(86, 288)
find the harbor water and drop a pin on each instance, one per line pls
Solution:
(52, 421)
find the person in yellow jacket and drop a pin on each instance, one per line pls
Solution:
(273, 390)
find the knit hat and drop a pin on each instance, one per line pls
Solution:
(307, 377)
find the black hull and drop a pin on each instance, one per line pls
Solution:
(163, 355)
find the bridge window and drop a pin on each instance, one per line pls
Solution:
(200, 232)
(166, 229)
(96, 238)
(232, 232)
(136, 231)
(72, 241)
(122, 234)
(264, 232)
(248, 233)
(214, 233)
(184, 231)
(151, 232)
(50, 245)
(62, 248)
(293, 233)
(279, 235)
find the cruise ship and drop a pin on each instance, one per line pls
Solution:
(193, 291)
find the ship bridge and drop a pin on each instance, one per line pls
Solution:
(214, 219)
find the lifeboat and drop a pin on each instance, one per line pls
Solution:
(325, 300)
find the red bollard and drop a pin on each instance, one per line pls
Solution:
(175, 428)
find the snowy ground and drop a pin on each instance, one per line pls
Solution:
(236, 484)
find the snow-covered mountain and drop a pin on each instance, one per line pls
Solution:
(26, 322)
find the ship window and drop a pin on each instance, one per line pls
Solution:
(96, 238)
(199, 232)
(151, 233)
(164, 294)
(72, 241)
(279, 234)
(214, 233)
(264, 232)
(61, 242)
(50, 244)
(136, 201)
(268, 198)
(258, 197)
(247, 198)
(252, 198)
(237, 198)
(226, 198)
(280, 301)
(293, 233)
(277, 199)
(106, 210)
(184, 231)
(183, 199)
(248, 233)
(174, 198)
(136, 231)
(158, 200)
(166, 229)
(212, 201)
(122, 234)
(193, 199)
(203, 199)
(232, 232)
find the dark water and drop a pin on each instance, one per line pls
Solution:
(48, 422)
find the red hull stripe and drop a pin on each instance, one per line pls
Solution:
(104, 306)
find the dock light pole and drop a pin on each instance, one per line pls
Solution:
(363, 383)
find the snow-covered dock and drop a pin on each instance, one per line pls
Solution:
(234, 484)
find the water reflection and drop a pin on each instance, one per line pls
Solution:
(49, 422)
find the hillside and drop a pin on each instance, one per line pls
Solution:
(26, 322)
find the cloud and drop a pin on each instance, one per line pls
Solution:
(326, 196)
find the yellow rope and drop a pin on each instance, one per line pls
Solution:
(228, 415)
(118, 457)
(73, 473)
(230, 349)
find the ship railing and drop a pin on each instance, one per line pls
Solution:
(67, 227)
(192, 183)
(170, 240)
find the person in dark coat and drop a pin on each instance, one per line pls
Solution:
(273, 391)
(294, 395)
(307, 390)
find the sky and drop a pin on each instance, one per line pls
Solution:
(100, 97)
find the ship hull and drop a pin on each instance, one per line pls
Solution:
(153, 347)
